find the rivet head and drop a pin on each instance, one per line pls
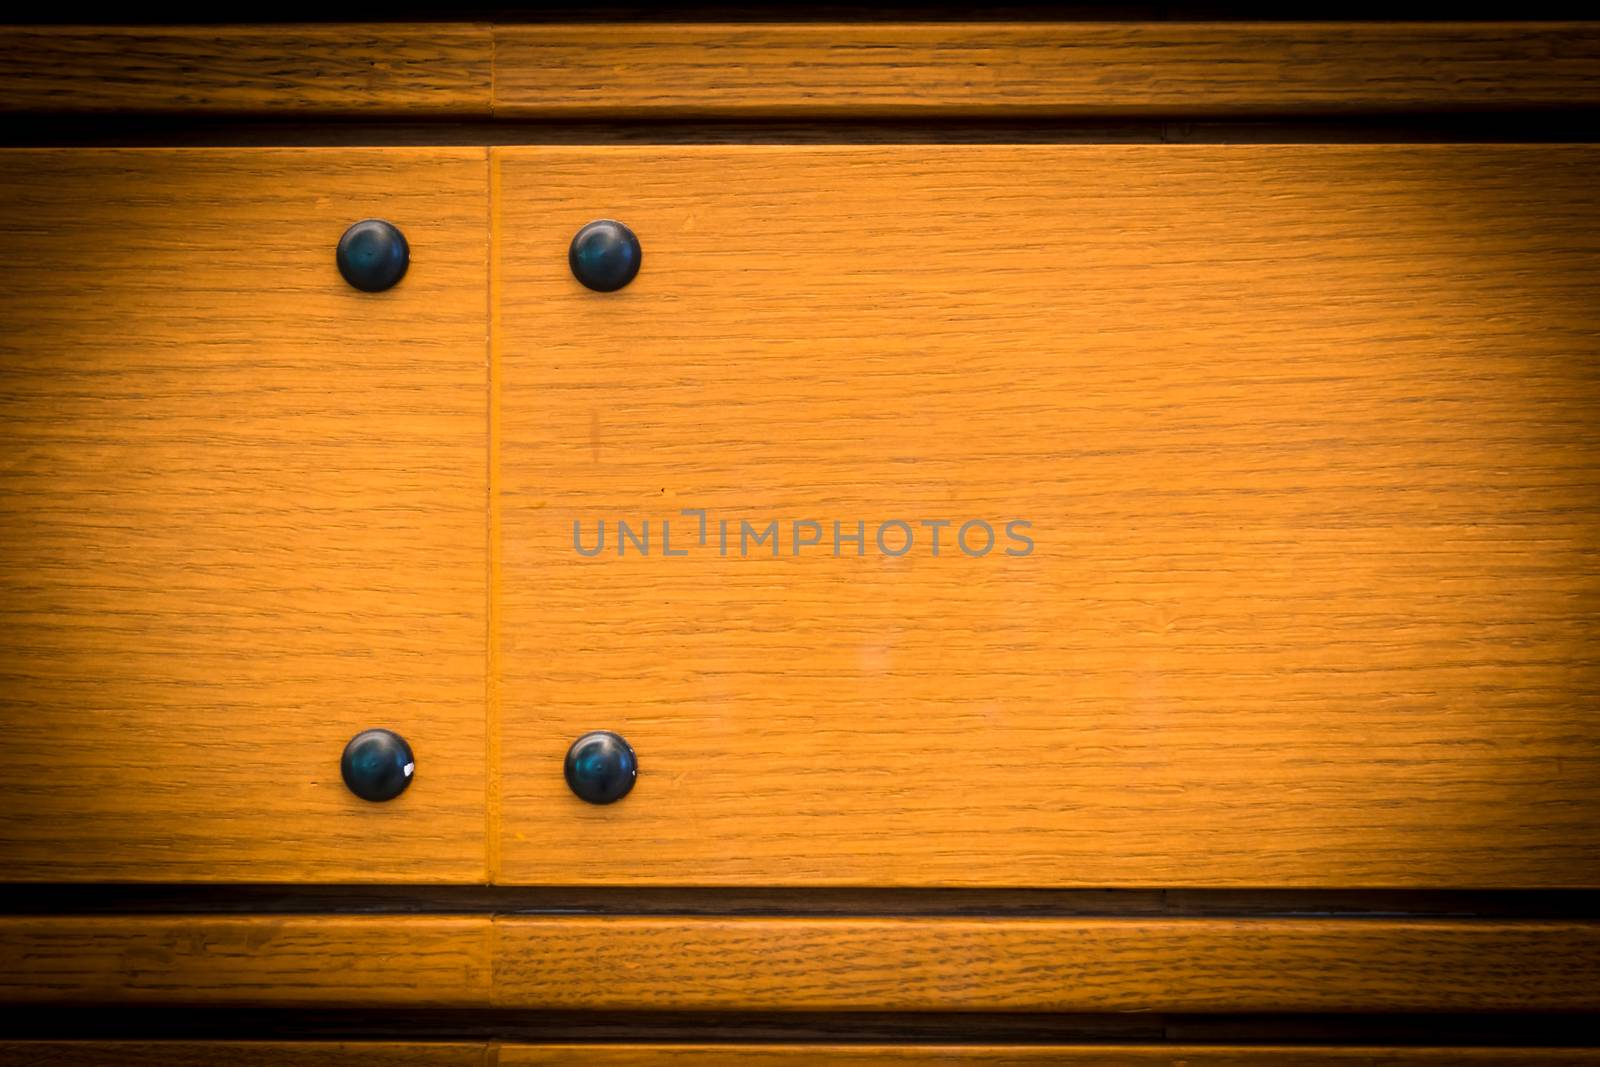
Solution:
(601, 767)
(373, 255)
(377, 765)
(604, 255)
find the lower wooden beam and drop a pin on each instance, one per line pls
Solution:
(915, 965)
(275, 961)
(1048, 965)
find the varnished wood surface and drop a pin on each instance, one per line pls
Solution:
(241, 515)
(1451, 561)
(1071, 68)
(338, 69)
(241, 1054)
(1110, 965)
(1000, 1056)
(1306, 435)
(559, 964)
(655, 70)
(302, 961)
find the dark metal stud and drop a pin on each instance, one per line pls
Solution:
(377, 765)
(373, 255)
(604, 255)
(601, 767)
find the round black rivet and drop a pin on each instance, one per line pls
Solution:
(601, 767)
(373, 255)
(377, 765)
(604, 255)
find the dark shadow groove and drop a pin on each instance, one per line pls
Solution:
(170, 13)
(247, 130)
(120, 1022)
(112, 899)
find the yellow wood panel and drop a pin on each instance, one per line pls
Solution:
(238, 1054)
(1172, 965)
(305, 961)
(284, 69)
(1306, 435)
(1061, 68)
(1001, 1056)
(241, 515)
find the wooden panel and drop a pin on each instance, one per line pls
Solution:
(334, 69)
(682, 964)
(241, 515)
(306, 961)
(1307, 436)
(237, 1054)
(1099, 1055)
(1064, 69)
(567, 70)
(1176, 965)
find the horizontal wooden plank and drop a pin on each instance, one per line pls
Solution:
(1002, 1056)
(435, 69)
(1179, 965)
(304, 961)
(1310, 462)
(240, 1054)
(684, 964)
(1051, 69)
(241, 515)
(566, 70)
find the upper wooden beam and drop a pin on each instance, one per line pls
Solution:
(801, 71)
(334, 70)
(1048, 69)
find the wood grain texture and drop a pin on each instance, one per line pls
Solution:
(566, 70)
(1047, 69)
(302, 961)
(1052, 965)
(1000, 1056)
(241, 515)
(239, 1054)
(340, 69)
(754, 965)
(1307, 435)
